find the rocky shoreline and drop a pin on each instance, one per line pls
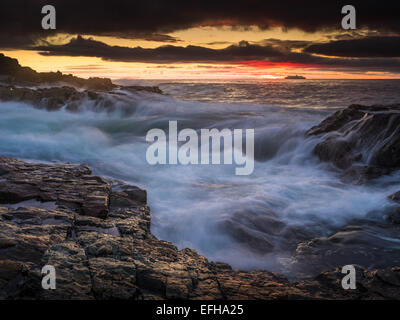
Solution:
(12, 74)
(96, 233)
(55, 90)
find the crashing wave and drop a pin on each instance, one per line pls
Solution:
(362, 140)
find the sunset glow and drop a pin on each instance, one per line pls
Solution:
(213, 49)
(199, 159)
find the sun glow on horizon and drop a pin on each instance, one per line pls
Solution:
(96, 67)
(270, 76)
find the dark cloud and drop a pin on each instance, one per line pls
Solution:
(143, 36)
(18, 41)
(364, 47)
(217, 43)
(374, 46)
(242, 53)
(285, 44)
(80, 46)
(208, 66)
(85, 67)
(157, 18)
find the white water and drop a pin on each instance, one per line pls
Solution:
(189, 202)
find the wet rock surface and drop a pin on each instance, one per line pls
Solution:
(394, 215)
(97, 236)
(364, 141)
(373, 245)
(261, 231)
(255, 229)
(69, 98)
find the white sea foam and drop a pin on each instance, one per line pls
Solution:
(188, 202)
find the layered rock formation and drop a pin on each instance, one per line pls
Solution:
(364, 141)
(96, 233)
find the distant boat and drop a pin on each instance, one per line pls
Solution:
(295, 77)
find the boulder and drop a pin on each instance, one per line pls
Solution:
(364, 141)
(366, 244)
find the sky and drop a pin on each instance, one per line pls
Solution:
(217, 39)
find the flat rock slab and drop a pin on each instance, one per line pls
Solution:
(68, 186)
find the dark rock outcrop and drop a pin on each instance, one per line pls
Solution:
(373, 245)
(55, 98)
(362, 140)
(396, 197)
(51, 99)
(394, 215)
(13, 73)
(253, 229)
(259, 229)
(17, 83)
(96, 233)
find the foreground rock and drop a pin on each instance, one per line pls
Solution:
(364, 141)
(96, 233)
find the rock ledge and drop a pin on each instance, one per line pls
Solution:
(96, 233)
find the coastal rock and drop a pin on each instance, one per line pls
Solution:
(348, 246)
(370, 285)
(362, 140)
(55, 90)
(254, 229)
(55, 98)
(51, 99)
(115, 256)
(71, 186)
(13, 73)
(261, 230)
(394, 215)
(395, 197)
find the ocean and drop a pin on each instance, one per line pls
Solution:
(223, 216)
